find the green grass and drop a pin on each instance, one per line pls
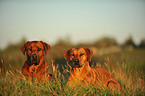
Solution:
(28, 88)
(128, 67)
(14, 85)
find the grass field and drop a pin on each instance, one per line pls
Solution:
(128, 67)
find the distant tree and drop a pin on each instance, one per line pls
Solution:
(106, 42)
(142, 43)
(85, 45)
(64, 41)
(16, 45)
(60, 47)
(129, 42)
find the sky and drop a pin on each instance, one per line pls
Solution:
(80, 20)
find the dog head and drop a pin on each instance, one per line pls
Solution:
(78, 56)
(34, 50)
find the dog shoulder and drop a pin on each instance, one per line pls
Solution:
(25, 67)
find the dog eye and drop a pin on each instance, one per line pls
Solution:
(72, 55)
(39, 49)
(82, 54)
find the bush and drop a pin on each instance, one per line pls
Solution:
(129, 42)
(142, 43)
(106, 42)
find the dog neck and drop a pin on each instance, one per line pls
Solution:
(77, 73)
(33, 68)
(41, 61)
(84, 68)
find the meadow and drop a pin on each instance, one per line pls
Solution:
(127, 66)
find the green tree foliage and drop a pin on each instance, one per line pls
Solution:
(106, 42)
(129, 42)
(16, 46)
(142, 43)
(60, 47)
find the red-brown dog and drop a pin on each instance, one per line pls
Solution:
(35, 65)
(82, 72)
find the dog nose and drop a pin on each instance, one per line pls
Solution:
(34, 56)
(76, 60)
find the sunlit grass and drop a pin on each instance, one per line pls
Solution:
(13, 83)
(127, 67)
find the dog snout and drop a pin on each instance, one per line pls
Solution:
(34, 56)
(76, 60)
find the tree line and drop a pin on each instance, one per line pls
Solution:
(103, 42)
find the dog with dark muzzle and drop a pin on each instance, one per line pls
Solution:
(35, 65)
(83, 73)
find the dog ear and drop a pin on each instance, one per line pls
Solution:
(67, 55)
(23, 47)
(46, 47)
(89, 53)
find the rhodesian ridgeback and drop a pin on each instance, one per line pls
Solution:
(35, 65)
(82, 73)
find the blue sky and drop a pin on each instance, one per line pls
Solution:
(82, 21)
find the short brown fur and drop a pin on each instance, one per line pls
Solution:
(83, 73)
(35, 65)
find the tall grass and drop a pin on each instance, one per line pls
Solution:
(14, 84)
(131, 84)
